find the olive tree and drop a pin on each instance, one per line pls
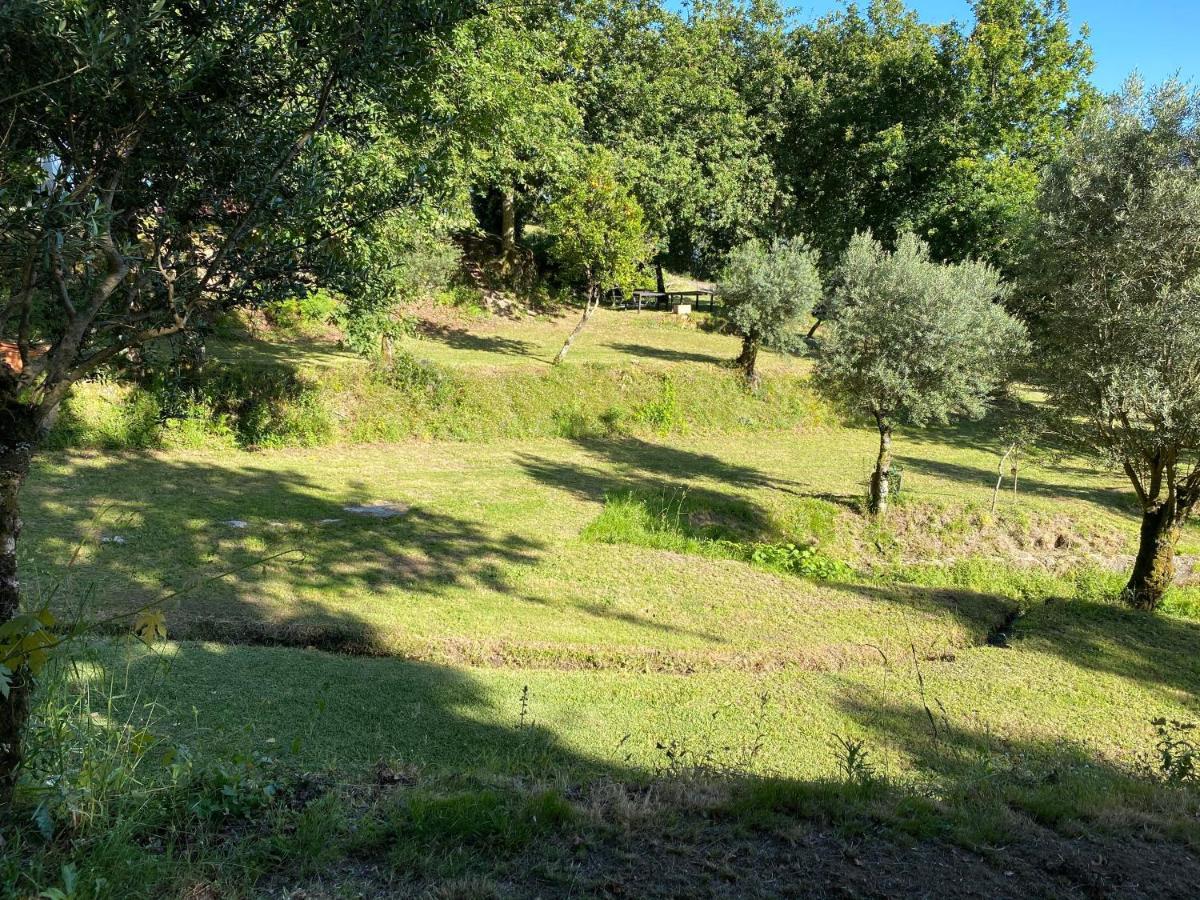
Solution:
(598, 234)
(1117, 273)
(161, 163)
(915, 341)
(768, 291)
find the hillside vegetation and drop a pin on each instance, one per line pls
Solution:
(487, 449)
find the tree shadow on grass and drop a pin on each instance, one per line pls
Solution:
(640, 457)
(629, 466)
(461, 339)
(985, 433)
(667, 354)
(1109, 497)
(313, 710)
(1155, 650)
(264, 554)
(982, 615)
(1150, 648)
(993, 784)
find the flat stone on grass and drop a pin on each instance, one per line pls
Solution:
(378, 510)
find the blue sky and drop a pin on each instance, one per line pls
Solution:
(1156, 37)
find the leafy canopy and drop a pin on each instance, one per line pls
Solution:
(769, 289)
(893, 124)
(1117, 274)
(167, 161)
(597, 226)
(692, 104)
(916, 341)
(500, 80)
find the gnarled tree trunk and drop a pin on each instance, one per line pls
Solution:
(593, 301)
(18, 434)
(1154, 567)
(881, 478)
(748, 360)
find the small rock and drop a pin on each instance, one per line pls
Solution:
(112, 539)
(237, 523)
(328, 521)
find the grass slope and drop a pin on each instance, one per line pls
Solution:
(551, 616)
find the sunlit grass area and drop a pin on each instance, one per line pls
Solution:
(490, 548)
(613, 337)
(672, 590)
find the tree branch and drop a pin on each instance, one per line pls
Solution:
(296, 148)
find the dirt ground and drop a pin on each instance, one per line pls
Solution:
(715, 860)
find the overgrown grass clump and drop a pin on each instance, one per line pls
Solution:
(673, 522)
(274, 405)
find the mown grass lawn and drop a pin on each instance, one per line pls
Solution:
(550, 629)
(486, 586)
(614, 337)
(1077, 685)
(488, 557)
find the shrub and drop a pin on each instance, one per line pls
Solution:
(806, 562)
(309, 310)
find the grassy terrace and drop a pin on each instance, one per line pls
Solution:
(511, 621)
(615, 337)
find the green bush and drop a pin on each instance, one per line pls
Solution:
(803, 561)
(108, 416)
(267, 406)
(428, 265)
(310, 310)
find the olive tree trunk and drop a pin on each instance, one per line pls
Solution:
(593, 301)
(18, 430)
(881, 478)
(748, 360)
(1154, 567)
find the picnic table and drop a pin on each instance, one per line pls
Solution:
(666, 299)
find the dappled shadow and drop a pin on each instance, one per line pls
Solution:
(636, 456)
(460, 339)
(267, 553)
(1054, 780)
(985, 433)
(220, 515)
(982, 615)
(668, 355)
(281, 349)
(1152, 649)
